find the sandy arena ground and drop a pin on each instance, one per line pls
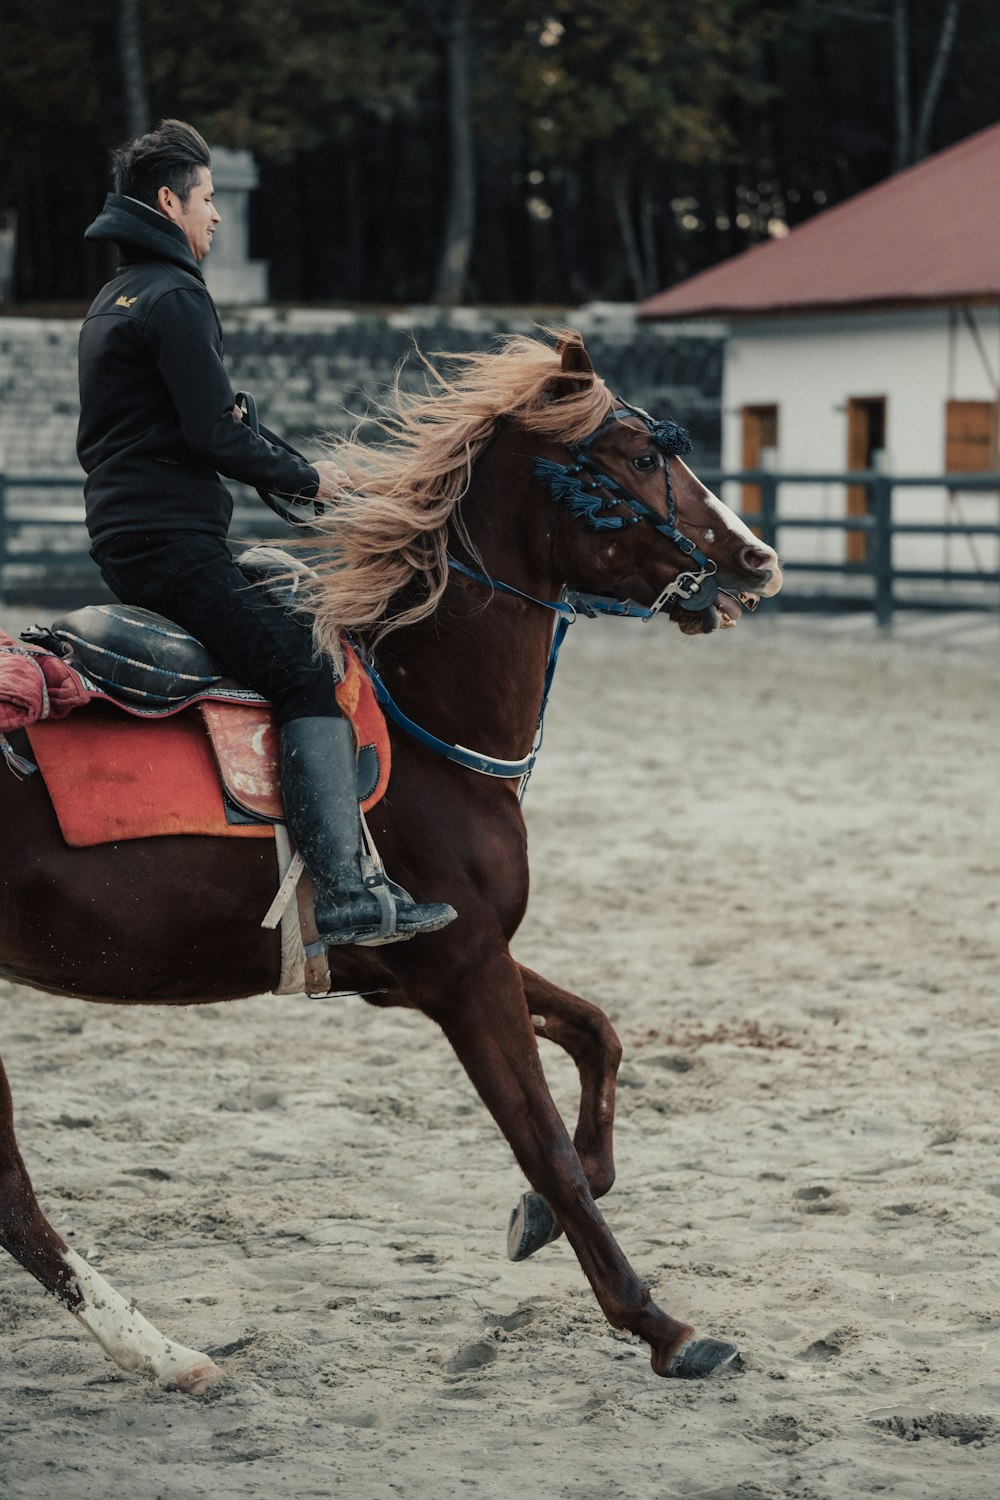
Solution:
(772, 856)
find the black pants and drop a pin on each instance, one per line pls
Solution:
(191, 578)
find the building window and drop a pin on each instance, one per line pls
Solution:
(866, 417)
(971, 437)
(760, 440)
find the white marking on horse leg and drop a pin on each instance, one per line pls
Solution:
(131, 1341)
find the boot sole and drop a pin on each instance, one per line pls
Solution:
(368, 937)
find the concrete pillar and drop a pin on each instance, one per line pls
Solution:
(8, 250)
(232, 278)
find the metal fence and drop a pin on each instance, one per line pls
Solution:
(44, 546)
(880, 526)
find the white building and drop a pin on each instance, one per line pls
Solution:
(869, 338)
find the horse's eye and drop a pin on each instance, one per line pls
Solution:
(646, 461)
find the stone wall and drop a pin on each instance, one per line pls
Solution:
(39, 403)
(318, 371)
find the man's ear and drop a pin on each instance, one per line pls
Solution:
(165, 202)
(577, 370)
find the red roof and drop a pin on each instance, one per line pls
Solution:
(930, 234)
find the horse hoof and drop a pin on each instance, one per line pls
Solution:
(199, 1379)
(699, 1358)
(532, 1225)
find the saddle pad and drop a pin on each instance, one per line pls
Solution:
(112, 776)
(357, 702)
(244, 740)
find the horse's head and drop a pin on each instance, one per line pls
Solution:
(635, 523)
(524, 463)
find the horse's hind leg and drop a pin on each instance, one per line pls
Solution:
(484, 1015)
(585, 1032)
(124, 1334)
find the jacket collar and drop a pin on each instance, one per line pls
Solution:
(137, 227)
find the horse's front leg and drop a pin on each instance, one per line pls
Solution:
(124, 1334)
(483, 1012)
(586, 1034)
(584, 1031)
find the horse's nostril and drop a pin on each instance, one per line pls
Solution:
(757, 558)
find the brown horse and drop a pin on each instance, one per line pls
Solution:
(534, 478)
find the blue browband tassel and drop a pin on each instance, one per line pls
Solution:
(673, 439)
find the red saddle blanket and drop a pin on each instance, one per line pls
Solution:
(113, 775)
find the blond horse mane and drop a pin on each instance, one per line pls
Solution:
(389, 528)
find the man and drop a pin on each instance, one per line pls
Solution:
(158, 425)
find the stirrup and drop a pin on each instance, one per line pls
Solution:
(378, 886)
(435, 915)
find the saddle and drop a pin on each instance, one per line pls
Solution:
(155, 740)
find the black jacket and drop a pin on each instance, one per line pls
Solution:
(156, 425)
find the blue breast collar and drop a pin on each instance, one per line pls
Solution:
(487, 765)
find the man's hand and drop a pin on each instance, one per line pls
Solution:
(332, 480)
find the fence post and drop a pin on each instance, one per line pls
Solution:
(3, 528)
(769, 509)
(882, 538)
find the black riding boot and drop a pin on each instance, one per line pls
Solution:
(319, 787)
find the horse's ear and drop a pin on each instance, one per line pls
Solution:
(573, 355)
(577, 370)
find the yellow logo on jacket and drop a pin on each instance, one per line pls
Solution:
(126, 301)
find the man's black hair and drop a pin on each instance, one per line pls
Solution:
(169, 156)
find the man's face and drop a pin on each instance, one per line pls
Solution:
(197, 216)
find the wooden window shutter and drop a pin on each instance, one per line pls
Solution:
(971, 437)
(760, 431)
(866, 426)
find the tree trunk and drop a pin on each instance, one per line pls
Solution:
(456, 253)
(647, 224)
(901, 70)
(912, 141)
(133, 72)
(630, 243)
(946, 40)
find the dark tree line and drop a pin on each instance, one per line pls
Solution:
(518, 151)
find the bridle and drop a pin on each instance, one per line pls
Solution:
(589, 500)
(589, 495)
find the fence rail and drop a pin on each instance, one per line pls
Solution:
(44, 547)
(879, 525)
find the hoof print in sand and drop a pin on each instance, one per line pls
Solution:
(818, 1200)
(830, 1345)
(475, 1355)
(951, 1426)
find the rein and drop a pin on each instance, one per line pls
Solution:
(296, 512)
(695, 590)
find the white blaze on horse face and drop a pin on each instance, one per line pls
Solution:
(742, 532)
(131, 1341)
